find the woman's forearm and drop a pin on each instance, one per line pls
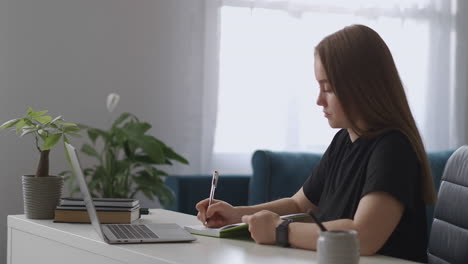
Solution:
(281, 207)
(305, 235)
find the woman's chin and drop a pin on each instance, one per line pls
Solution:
(332, 124)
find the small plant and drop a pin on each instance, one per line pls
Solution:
(127, 157)
(47, 132)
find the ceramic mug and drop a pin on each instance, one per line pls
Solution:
(338, 247)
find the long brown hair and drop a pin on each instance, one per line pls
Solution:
(363, 76)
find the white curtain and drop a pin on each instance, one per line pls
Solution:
(260, 77)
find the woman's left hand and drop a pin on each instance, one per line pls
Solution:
(262, 226)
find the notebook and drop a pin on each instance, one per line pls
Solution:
(239, 229)
(124, 233)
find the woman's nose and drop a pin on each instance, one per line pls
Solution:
(320, 100)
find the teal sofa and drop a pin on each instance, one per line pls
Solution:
(275, 175)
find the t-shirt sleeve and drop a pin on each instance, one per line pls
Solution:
(313, 186)
(393, 168)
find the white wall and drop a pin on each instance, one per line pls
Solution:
(67, 55)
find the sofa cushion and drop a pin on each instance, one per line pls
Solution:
(279, 174)
(190, 189)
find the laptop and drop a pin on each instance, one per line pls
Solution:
(125, 233)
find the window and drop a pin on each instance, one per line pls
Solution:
(267, 88)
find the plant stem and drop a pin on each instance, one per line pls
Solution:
(37, 143)
(43, 167)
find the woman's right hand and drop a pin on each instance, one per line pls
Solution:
(218, 214)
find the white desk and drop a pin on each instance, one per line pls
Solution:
(42, 241)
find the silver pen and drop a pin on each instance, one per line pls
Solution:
(214, 182)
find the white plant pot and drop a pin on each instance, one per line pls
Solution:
(41, 196)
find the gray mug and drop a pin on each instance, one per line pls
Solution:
(338, 247)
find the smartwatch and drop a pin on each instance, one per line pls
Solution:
(282, 233)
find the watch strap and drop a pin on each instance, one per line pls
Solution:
(282, 233)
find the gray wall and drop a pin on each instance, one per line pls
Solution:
(67, 55)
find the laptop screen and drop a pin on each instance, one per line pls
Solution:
(78, 172)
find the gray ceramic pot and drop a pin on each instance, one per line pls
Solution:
(41, 195)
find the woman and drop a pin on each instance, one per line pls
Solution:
(374, 177)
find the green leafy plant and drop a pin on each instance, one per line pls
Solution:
(127, 159)
(47, 132)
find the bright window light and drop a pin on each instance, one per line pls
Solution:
(267, 87)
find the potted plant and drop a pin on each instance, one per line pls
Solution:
(41, 192)
(128, 159)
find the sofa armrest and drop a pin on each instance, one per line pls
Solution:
(190, 189)
(279, 174)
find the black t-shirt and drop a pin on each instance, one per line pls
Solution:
(387, 163)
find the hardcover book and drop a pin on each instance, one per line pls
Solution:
(107, 216)
(98, 208)
(105, 202)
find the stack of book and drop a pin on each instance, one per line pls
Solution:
(109, 210)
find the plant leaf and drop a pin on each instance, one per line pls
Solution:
(33, 114)
(143, 159)
(68, 124)
(42, 132)
(20, 124)
(94, 133)
(89, 150)
(160, 172)
(51, 141)
(56, 119)
(136, 129)
(71, 129)
(152, 148)
(43, 119)
(28, 131)
(165, 194)
(120, 119)
(43, 136)
(30, 112)
(75, 135)
(171, 154)
(10, 123)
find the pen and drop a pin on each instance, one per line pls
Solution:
(321, 226)
(214, 182)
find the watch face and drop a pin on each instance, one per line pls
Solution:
(282, 232)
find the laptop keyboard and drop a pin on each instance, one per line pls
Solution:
(131, 231)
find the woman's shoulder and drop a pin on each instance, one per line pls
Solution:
(394, 141)
(393, 136)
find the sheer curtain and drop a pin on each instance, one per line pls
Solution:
(263, 76)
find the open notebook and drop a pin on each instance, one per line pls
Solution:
(239, 229)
